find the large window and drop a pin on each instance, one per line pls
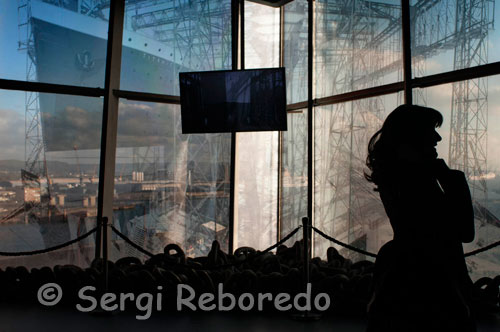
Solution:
(453, 35)
(470, 143)
(357, 45)
(53, 44)
(75, 150)
(169, 187)
(49, 176)
(256, 177)
(345, 205)
(171, 37)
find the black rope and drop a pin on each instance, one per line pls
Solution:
(477, 251)
(43, 251)
(361, 251)
(132, 243)
(222, 266)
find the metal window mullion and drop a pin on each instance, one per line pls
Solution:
(310, 114)
(110, 121)
(407, 77)
(236, 41)
(280, 133)
(41, 87)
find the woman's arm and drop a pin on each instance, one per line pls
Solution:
(458, 197)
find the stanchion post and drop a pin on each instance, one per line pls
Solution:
(306, 239)
(105, 251)
(306, 233)
(105, 275)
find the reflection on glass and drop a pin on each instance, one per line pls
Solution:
(169, 187)
(295, 53)
(357, 45)
(257, 189)
(346, 207)
(471, 141)
(169, 37)
(49, 177)
(294, 173)
(449, 35)
(262, 33)
(257, 168)
(61, 42)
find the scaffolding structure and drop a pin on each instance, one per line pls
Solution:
(197, 166)
(357, 46)
(199, 33)
(469, 117)
(34, 152)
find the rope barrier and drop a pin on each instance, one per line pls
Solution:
(221, 266)
(488, 247)
(43, 251)
(286, 238)
(132, 243)
(345, 245)
(361, 251)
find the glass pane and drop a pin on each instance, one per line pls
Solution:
(471, 143)
(295, 53)
(49, 162)
(169, 37)
(262, 33)
(170, 188)
(346, 206)
(257, 152)
(53, 42)
(357, 45)
(294, 174)
(257, 180)
(449, 35)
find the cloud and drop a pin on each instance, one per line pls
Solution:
(493, 153)
(11, 135)
(146, 124)
(433, 66)
(73, 126)
(74, 121)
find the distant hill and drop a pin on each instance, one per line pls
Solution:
(57, 168)
(17, 165)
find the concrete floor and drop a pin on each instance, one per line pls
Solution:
(37, 318)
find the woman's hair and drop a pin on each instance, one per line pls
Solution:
(401, 125)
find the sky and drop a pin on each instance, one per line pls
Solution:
(13, 66)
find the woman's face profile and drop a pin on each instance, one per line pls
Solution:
(420, 146)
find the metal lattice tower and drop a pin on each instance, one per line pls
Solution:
(469, 117)
(33, 129)
(357, 44)
(199, 33)
(198, 30)
(34, 152)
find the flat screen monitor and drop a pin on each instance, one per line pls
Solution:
(233, 101)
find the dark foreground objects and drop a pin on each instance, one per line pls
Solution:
(421, 281)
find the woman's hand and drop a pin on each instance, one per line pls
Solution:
(441, 170)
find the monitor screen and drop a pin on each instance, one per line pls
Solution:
(233, 101)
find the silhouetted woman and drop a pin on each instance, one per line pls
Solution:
(421, 281)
